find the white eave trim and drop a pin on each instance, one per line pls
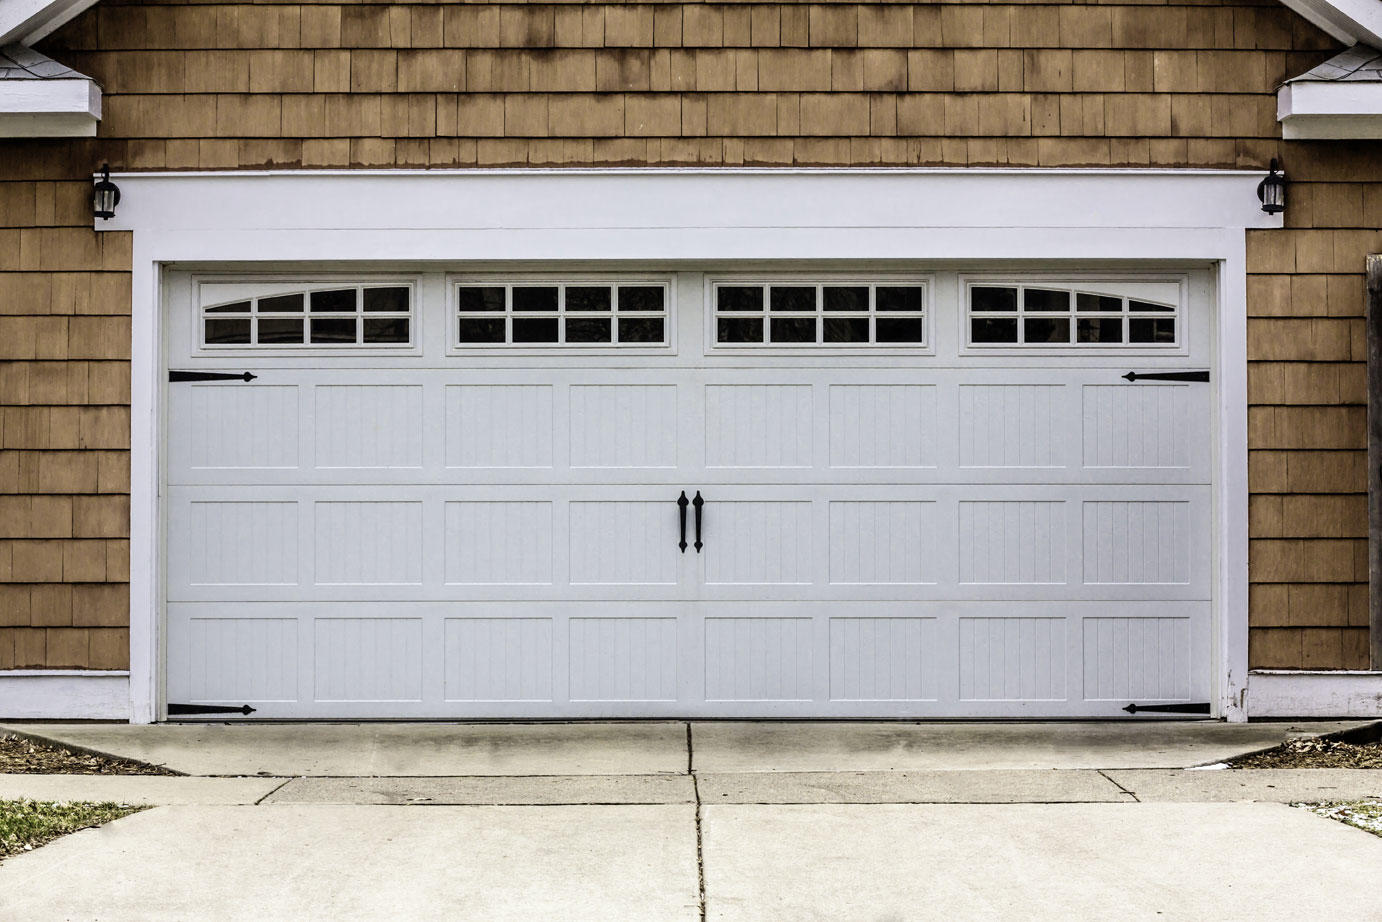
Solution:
(51, 108)
(1349, 21)
(26, 21)
(1328, 109)
(1314, 693)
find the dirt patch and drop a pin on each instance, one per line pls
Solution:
(1316, 752)
(1363, 814)
(27, 824)
(22, 756)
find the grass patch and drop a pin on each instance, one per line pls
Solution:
(27, 824)
(1362, 814)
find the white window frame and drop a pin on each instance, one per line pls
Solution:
(454, 281)
(1075, 283)
(274, 285)
(663, 216)
(926, 281)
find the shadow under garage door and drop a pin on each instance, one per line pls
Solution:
(922, 493)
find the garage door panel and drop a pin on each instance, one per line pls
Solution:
(368, 426)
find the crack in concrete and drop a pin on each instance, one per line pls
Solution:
(700, 842)
(286, 782)
(1105, 776)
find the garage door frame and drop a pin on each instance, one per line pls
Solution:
(1138, 219)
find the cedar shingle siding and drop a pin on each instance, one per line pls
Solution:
(223, 86)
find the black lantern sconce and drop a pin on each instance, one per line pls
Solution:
(105, 195)
(1271, 191)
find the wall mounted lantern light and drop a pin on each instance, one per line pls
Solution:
(105, 195)
(1271, 191)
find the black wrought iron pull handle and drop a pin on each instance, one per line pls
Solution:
(682, 512)
(698, 503)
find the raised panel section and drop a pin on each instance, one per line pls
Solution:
(1012, 541)
(1137, 425)
(759, 659)
(368, 425)
(624, 425)
(241, 543)
(368, 659)
(499, 425)
(369, 543)
(241, 426)
(882, 659)
(498, 543)
(1136, 658)
(624, 542)
(882, 542)
(758, 542)
(623, 659)
(239, 660)
(1012, 659)
(1137, 542)
(1010, 425)
(758, 425)
(498, 659)
(882, 425)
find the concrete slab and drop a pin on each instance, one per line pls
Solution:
(137, 789)
(347, 863)
(1036, 861)
(430, 749)
(934, 787)
(1276, 785)
(551, 790)
(864, 747)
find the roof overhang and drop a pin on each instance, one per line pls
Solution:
(66, 108)
(1349, 21)
(24, 22)
(1317, 110)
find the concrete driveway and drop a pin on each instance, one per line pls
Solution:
(653, 821)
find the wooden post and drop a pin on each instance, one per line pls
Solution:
(1374, 335)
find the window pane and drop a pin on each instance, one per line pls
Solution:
(1100, 330)
(586, 330)
(1041, 299)
(222, 332)
(794, 330)
(738, 330)
(480, 299)
(898, 299)
(239, 307)
(535, 329)
(985, 298)
(386, 299)
(993, 330)
(793, 298)
(481, 329)
(853, 298)
(904, 329)
(535, 299)
(1149, 306)
(640, 297)
(642, 329)
(280, 330)
(846, 329)
(334, 330)
(1086, 302)
(282, 304)
(739, 298)
(334, 301)
(1046, 330)
(1158, 330)
(386, 329)
(587, 298)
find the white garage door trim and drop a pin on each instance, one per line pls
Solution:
(730, 216)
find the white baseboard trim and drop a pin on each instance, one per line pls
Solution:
(1309, 693)
(64, 694)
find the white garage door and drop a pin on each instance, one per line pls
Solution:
(922, 494)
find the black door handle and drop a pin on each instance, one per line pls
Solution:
(698, 503)
(682, 512)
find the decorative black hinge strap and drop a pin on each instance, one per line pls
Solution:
(1199, 708)
(1168, 376)
(210, 376)
(184, 709)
